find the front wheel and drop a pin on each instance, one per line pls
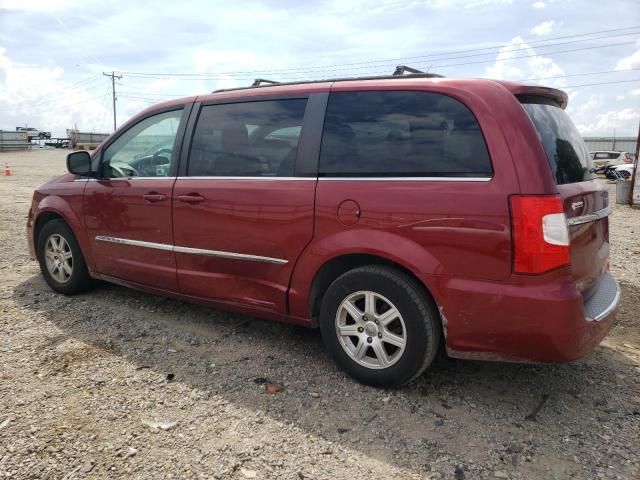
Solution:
(61, 261)
(380, 326)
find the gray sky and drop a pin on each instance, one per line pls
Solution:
(53, 52)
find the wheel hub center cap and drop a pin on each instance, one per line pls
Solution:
(371, 329)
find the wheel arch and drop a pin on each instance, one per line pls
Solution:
(336, 266)
(41, 220)
(54, 207)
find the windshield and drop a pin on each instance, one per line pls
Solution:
(567, 153)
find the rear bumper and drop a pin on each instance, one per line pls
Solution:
(547, 321)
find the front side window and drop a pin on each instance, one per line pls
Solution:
(401, 133)
(145, 150)
(247, 139)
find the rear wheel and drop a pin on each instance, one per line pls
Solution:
(61, 261)
(380, 326)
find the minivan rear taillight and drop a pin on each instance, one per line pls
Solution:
(540, 233)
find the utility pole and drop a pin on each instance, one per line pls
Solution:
(113, 91)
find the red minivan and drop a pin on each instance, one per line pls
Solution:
(399, 214)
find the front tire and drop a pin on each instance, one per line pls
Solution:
(61, 261)
(380, 326)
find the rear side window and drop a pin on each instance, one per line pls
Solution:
(566, 151)
(247, 139)
(401, 133)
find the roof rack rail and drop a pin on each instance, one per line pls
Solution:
(400, 69)
(258, 82)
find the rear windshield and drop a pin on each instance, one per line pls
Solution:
(567, 153)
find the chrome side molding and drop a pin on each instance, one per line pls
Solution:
(193, 251)
(590, 217)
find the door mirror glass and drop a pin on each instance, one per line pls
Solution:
(79, 163)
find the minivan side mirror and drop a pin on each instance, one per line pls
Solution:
(79, 163)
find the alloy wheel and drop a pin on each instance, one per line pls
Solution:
(371, 330)
(58, 258)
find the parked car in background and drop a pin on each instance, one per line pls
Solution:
(603, 159)
(34, 133)
(401, 215)
(616, 172)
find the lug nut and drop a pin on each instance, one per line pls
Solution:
(377, 321)
(379, 335)
(360, 329)
(369, 339)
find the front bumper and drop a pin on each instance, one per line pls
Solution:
(528, 320)
(30, 239)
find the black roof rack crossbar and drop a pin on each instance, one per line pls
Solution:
(400, 69)
(329, 80)
(259, 81)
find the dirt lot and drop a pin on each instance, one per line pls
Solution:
(83, 379)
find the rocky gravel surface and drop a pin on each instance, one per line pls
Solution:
(120, 384)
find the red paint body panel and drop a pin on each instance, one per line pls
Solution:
(63, 197)
(116, 208)
(418, 225)
(269, 218)
(454, 236)
(529, 318)
(589, 241)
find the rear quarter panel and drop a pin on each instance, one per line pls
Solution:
(438, 229)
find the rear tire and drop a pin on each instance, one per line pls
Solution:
(380, 326)
(61, 261)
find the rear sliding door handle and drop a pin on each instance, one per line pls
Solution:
(154, 197)
(191, 198)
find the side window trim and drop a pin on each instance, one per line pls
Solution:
(309, 144)
(185, 149)
(186, 109)
(308, 156)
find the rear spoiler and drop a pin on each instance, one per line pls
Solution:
(520, 90)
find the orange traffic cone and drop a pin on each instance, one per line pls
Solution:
(7, 170)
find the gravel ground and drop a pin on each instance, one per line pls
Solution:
(120, 384)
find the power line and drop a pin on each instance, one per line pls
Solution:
(579, 74)
(59, 97)
(338, 67)
(603, 83)
(70, 87)
(220, 76)
(65, 106)
(153, 97)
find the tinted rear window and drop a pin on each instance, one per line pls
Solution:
(401, 133)
(566, 151)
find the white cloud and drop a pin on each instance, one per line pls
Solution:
(623, 120)
(635, 92)
(632, 61)
(38, 96)
(539, 5)
(34, 5)
(543, 28)
(515, 61)
(620, 97)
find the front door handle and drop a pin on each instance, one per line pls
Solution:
(154, 197)
(191, 198)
